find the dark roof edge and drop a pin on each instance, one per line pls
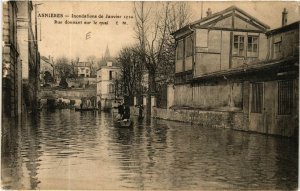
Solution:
(258, 66)
(291, 26)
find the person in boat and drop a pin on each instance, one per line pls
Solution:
(126, 114)
(120, 111)
(88, 103)
(141, 109)
(99, 104)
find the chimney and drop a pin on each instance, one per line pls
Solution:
(284, 17)
(208, 12)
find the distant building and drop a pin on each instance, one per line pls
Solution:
(107, 75)
(82, 82)
(229, 63)
(83, 69)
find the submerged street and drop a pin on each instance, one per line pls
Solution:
(83, 150)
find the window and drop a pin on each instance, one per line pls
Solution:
(111, 88)
(189, 46)
(238, 45)
(179, 49)
(285, 97)
(87, 71)
(277, 47)
(12, 22)
(252, 48)
(257, 98)
(110, 75)
(277, 51)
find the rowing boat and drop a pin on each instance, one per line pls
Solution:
(124, 123)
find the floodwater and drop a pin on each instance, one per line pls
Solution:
(83, 150)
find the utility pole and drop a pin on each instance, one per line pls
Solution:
(36, 69)
(201, 9)
(37, 61)
(35, 21)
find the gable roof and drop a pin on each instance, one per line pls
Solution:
(229, 12)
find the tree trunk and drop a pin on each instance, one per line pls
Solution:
(151, 91)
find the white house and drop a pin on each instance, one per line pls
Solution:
(107, 76)
(83, 69)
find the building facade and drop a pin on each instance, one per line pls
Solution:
(20, 62)
(83, 69)
(11, 63)
(29, 54)
(221, 65)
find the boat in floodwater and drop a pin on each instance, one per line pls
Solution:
(123, 123)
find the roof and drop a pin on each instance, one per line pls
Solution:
(219, 15)
(83, 64)
(107, 58)
(107, 53)
(103, 63)
(292, 26)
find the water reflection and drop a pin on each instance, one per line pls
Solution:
(83, 150)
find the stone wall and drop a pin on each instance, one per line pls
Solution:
(223, 119)
(67, 94)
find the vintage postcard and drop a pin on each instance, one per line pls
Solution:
(150, 95)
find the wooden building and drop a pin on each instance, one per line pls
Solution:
(230, 62)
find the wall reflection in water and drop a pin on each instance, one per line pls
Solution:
(83, 150)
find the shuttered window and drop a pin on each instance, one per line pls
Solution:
(110, 75)
(257, 98)
(285, 97)
(179, 50)
(189, 46)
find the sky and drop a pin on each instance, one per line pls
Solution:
(84, 40)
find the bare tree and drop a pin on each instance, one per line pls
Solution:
(74, 64)
(64, 70)
(131, 66)
(154, 24)
(151, 31)
(179, 15)
(92, 60)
